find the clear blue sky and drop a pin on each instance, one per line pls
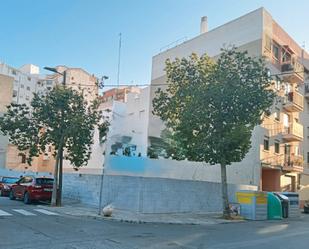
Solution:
(84, 33)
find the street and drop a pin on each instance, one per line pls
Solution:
(29, 226)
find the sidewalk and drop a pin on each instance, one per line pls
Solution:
(75, 208)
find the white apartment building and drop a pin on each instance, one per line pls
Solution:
(25, 82)
(276, 159)
(128, 116)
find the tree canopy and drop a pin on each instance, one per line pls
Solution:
(58, 118)
(211, 107)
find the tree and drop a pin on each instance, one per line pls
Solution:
(61, 119)
(210, 108)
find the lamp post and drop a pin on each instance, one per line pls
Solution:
(57, 190)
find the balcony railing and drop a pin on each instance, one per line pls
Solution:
(293, 71)
(294, 102)
(285, 162)
(293, 163)
(294, 132)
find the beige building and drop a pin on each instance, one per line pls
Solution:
(26, 81)
(6, 93)
(276, 159)
(78, 79)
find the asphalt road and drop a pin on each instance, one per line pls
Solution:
(29, 226)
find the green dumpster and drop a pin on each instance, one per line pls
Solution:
(274, 208)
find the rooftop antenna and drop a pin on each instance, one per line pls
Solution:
(119, 57)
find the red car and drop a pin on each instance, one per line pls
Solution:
(6, 183)
(30, 188)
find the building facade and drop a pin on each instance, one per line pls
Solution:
(27, 80)
(6, 93)
(276, 159)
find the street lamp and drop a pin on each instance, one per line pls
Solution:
(54, 70)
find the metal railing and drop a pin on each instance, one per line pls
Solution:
(294, 129)
(293, 67)
(295, 98)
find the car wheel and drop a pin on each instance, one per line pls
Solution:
(11, 196)
(27, 198)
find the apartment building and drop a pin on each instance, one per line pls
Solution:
(28, 80)
(6, 93)
(117, 94)
(78, 79)
(25, 82)
(276, 159)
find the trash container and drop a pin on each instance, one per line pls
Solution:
(274, 207)
(253, 204)
(294, 210)
(284, 204)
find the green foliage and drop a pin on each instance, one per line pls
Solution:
(59, 118)
(211, 107)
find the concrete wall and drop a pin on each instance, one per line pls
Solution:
(82, 187)
(245, 172)
(148, 195)
(7, 172)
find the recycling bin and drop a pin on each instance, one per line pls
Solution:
(274, 207)
(253, 204)
(294, 210)
(285, 204)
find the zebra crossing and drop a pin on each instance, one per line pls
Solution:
(24, 212)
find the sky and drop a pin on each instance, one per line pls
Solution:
(85, 33)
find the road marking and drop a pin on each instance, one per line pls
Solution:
(3, 213)
(43, 211)
(24, 212)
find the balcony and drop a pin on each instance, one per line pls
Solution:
(294, 132)
(293, 163)
(294, 102)
(292, 71)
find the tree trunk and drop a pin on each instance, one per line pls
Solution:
(55, 184)
(60, 173)
(225, 200)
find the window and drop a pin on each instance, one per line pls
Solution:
(276, 52)
(29, 78)
(21, 86)
(141, 114)
(266, 143)
(277, 146)
(23, 157)
(14, 93)
(14, 72)
(27, 97)
(28, 88)
(277, 114)
(307, 157)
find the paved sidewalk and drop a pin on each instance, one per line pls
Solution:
(77, 209)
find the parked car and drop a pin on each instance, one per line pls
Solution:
(6, 183)
(31, 188)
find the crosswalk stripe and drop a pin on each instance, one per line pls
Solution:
(43, 211)
(24, 212)
(3, 213)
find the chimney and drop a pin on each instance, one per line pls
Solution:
(204, 25)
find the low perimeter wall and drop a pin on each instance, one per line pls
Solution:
(148, 195)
